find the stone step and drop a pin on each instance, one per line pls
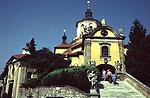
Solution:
(122, 90)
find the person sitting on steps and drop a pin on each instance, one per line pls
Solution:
(114, 78)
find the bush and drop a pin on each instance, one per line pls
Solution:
(31, 83)
(74, 76)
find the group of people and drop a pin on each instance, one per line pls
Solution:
(109, 76)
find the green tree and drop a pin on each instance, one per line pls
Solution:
(137, 34)
(145, 46)
(46, 61)
(32, 47)
(73, 76)
(137, 58)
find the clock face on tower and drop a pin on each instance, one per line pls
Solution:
(104, 32)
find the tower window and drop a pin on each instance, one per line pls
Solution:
(104, 51)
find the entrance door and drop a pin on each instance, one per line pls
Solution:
(106, 67)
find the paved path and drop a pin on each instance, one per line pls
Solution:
(123, 90)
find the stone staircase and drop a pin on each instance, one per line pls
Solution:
(123, 90)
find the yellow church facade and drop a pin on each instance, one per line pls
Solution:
(95, 43)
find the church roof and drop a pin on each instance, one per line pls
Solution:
(98, 23)
(76, 45)
(88, 15)
(19, 57)
(69, 51)
(76, 54)
(63, 45)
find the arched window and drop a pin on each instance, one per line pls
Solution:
(104, 51)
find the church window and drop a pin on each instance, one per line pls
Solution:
(104, 32)
(104, 51)
(13, 70)
(10, 89)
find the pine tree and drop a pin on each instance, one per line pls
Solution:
(145, 47)
(32, 47)
(138, 57)
(137, 34)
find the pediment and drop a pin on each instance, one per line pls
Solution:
(105, 31)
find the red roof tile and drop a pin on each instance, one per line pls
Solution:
(76, 45)
(68, 51)
(64, 45)
(73, 46)
(21, 56)
(76, 54)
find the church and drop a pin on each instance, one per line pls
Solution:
(95, 43)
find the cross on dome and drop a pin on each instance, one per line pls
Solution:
(64, 37)
(88, 13)
(88, 4)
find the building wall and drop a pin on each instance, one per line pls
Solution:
(77, 61)
(96, 52)
(93, 52)
(111, 33)
(81, 60)
(60, 51)
(14, 78)
(77, 50)
(74, 61)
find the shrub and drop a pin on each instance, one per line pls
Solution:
(74, 76)
(31, 83)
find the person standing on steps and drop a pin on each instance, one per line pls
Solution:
(103, 74)
(109, 76)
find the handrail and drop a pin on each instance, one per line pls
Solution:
(142, 88)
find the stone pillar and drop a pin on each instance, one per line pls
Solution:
(94, 94)
(87, 52)
(122, 58)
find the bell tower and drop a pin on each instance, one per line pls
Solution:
(88, 23)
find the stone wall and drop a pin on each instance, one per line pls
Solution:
(142, 88)
(62, 92)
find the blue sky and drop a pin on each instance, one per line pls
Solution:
(45, 20)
